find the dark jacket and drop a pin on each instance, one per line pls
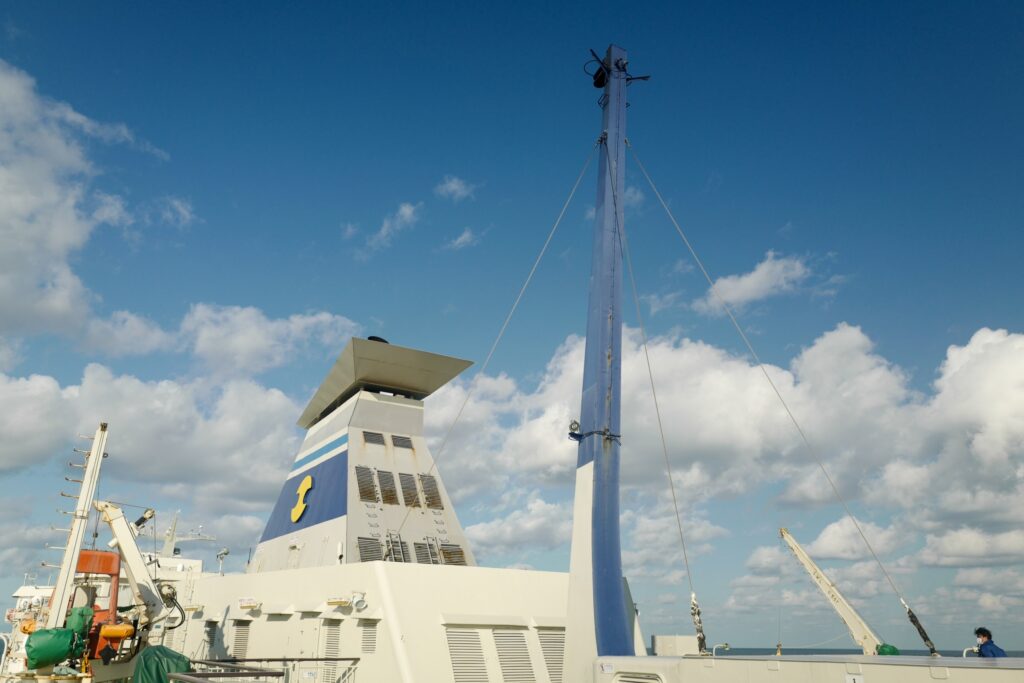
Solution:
(990, 649)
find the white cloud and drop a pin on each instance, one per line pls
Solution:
(349, 230)
(841, 540)
(467, 238)
(10, 354)
(176, 211)
(405, 217)
(111, 209)
(663, 302)
(1007, 581)
(972, 547)
(651, 548)
(727, 434)
(770, 560)
(771, 277)
(44, 211)
(455, 189)
(32, 411)
(199, 441)
(24, 547)
(127, 334)
(48, 208)
(110, 133)
(632, 197)
(682, 267)
(228, 340)
(539, 525)
(243, 340)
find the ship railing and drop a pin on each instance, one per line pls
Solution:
(209, 671)
(289, 669)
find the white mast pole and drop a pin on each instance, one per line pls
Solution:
(65, 580)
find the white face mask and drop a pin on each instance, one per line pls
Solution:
(979, 641)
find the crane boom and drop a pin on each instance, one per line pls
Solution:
(153, 596)
(859, 629)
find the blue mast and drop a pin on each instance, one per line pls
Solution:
(599, 413)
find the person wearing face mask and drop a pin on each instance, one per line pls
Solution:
(986, 648)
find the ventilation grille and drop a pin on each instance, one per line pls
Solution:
(170, 633)
(426, 553)
(370, 549)
(368, 630)
(513, 656)
(398, 550)
(430, 492)
(210, 636)
(388, 492)
(401, 441)
(409, 492)
(240, 645)
(422, 553)
(367, 489)
(331, 648)
(374, 438)
(552, 645)
(467, 655)
(453, 554)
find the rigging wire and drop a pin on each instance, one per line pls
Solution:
(750, 347)
(504, 326)
(624, 244)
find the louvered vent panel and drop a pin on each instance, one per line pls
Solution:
(170, 635)
(513, 656)
(422, 553)
(431, 493)
(330, 649)
(210, 636)
(467, 656)
(409, 492)
(368, 630)
(426, 552)
(370, 549)
(552, 645)
(401, 441)
(397, 549)
(374, 438)
(453, 554)
(240, 645)
(367, 488)
(388, 492)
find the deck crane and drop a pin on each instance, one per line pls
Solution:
(859, 629)
(154, 597)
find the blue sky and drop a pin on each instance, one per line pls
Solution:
(216, 196)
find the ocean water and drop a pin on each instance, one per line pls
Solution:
(837, 651)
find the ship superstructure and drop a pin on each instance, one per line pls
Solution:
(364, 486)
(363, 568)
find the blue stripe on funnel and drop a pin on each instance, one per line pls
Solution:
(323, 450)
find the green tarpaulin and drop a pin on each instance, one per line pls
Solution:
(49, 646)
(80, 621)
(54, 645)
(154, 663)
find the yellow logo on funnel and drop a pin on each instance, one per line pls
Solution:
(300, 504)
